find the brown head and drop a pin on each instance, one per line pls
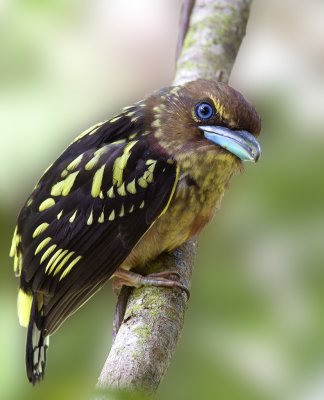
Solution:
(201, 111)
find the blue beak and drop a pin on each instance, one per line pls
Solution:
(241, 143)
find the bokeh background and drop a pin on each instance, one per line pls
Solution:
(255, 324)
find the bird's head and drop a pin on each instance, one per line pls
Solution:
(207, 112)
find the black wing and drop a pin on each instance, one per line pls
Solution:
(86, 214)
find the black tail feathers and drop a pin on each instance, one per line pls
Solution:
(36, 345)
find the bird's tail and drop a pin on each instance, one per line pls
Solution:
(37, 343)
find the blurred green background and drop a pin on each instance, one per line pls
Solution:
(255, 324)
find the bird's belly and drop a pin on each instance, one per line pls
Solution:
(185, 217)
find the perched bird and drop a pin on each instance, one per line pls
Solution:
(123, 192)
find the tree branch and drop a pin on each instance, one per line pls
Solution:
(147, 338)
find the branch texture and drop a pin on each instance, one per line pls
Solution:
(147, 338)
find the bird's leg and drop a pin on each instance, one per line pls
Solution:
(124, 280)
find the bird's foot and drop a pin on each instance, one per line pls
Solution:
(167, 278)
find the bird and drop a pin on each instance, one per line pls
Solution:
(123, 192)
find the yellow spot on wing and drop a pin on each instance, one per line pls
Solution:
(15, 253)
(112, 215)
(42, 244)
(131, 187)
(48, 252)
(131, 209)
(148, 176)
(52, 259)
(151, 165)
(132, 136)
(95, 159)
(101, 218)
(46, 204)
(119, 141)
(59, 215)
(69, 181)
(24, 303)
(75, 163)
(63, 187)
(142, 182)
(57, 189)
(15, 241)
(41, 228)
(121, 190)
(111, 193)
(115, 119)
(97, 181)
(63, 262)
(91, 164)
(70, 266)
(142, 204)
(89, 131)
(57, 260)
(72, 218)
(122, 211)
(121, 162)
(18, 263)
(90, 219)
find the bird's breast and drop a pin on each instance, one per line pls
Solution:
(197, 196)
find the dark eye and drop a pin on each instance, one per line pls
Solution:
(204, 111)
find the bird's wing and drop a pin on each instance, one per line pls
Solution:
(87, 213)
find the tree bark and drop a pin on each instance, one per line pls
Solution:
(148, 335)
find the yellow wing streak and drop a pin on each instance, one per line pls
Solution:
(89, 131)
(75, 163)
(131, 187)
(97, 181)
(90, 219)
(48, 252)
(52, 259)
(58, 259)
(42, 244)
(122, 211)
(41, 228)
(70, 266)
(14, 243)
(46, 204)
(72, 218)
(121, 162)
(111, 193)
(63, 262)
(63, 187)
(101, 219)
(121, 190)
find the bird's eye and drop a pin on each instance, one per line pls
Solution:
(204, 111)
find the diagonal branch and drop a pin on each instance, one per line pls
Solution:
(148, 335)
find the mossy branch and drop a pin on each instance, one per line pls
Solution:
(148, 335)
